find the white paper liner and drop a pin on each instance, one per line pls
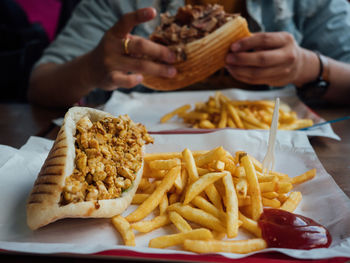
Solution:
(322, 201)
(149, 108)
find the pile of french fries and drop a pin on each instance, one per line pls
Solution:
(221, 112)
(208, 196)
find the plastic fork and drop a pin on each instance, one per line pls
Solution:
(268, 163)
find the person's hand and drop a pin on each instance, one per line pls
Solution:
(115, 68)
(273, 59)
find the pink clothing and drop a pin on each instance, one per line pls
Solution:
(45, 12)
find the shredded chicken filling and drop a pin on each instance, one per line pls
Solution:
(108, 156)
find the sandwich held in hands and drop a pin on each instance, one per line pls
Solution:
(92, 170)
(201, 37)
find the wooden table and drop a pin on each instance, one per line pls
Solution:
(20, 121)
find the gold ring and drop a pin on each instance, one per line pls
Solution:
(126, 45)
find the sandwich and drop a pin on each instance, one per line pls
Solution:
(92, 170)
(201, 37)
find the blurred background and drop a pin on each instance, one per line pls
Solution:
(26, 28)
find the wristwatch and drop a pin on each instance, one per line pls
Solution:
(314, 90)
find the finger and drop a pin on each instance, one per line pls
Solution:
(120, 79)
(254, 81)
(255, 75)
(141, 47)
(146, 67)
(128, 21)
(260, 41)
(266, 58)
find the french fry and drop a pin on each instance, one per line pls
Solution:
(250, 225)
(267, 186)
(249, 126)
(164, 164)
(163, 205)
(242, 187)
(252, 120)
(139, 198)
(256, 163)
(264, 103)
(177, 111)
(236, 246)
(202, 171)
(150, 225)
(282, 197)
(198, 216)
(283, 187)
(194, 116)
(262, 178)
(179, 222)
(206, 206)
(178, 184)
(213, 196)
(206, 124)
(223, 119)
(240, 173)
(231, 206)
(156, 174)
(304, 177)
(230, 165)
(218, 153)
(124, 228)
(230, 123)
(281, 176)
(292, 202)
(190, 165)
(152, 186)
(234, 115)
(274, 203)
(219, 166)
(297, 124)
(220, 187)
(218, 235)
(200, 184)
(184, 180)
(217, 100)
(270, 195)
(144, 184)
(168, 155)
(154, 199)
(177, 239)
(253, 188)
(244, 201)
(173, 198)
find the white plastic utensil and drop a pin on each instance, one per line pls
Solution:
(268, 163)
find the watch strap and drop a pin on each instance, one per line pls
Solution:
(325, 65)
(313, 91)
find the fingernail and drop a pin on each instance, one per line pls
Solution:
(230, 59)
(171, 57)
(235, 47)
(171, 72)
(147, 13)
(139, 78)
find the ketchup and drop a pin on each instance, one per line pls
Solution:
(287, 230)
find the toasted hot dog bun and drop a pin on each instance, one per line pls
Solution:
(44, 204)
(204, 56)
